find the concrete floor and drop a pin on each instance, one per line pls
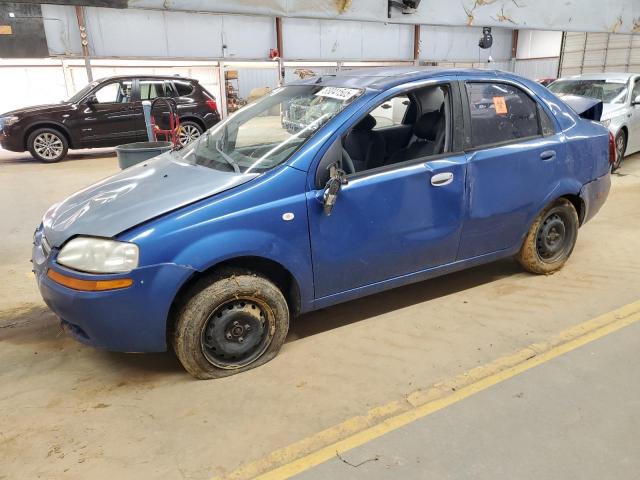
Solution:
(69, 411)
(577, 416)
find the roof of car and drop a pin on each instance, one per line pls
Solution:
(385, 77)
(160, 77)
(620, 76)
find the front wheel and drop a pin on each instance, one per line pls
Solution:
(230, 322)
(47, 145)
(621, 147)
(550, 239)
(189, 131)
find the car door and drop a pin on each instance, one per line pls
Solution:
(110, 120)
(514, 156)
(633, 140)
(389, 221)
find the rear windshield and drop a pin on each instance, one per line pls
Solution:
(266, 133)
(605, 90)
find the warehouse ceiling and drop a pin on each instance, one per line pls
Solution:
(615, 16)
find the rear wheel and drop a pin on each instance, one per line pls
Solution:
(189, 131)
(230, 322)
(47, 145)
(550, 239)
(621, 147)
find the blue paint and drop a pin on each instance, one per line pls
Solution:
(388, 228)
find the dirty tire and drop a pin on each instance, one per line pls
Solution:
(229, 322)
(47, 145)
(550, 239)
(621, 147)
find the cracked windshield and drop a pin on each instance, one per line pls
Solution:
(266, 133)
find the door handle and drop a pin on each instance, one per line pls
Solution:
(442, 179)
(548, 155)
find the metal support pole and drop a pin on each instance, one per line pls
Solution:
(84, 40)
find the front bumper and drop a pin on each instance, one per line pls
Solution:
(132, 319)
(11, 139)
(594, 194)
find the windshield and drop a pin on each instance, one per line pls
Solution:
(80, 95)
(265, 134)
(604, 90)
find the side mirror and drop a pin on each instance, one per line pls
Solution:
(91, 100)
(636, 101)
(337, 178)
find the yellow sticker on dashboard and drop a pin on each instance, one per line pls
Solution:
(500, 104)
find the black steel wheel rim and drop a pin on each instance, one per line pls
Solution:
(553, 238)
(237, 333)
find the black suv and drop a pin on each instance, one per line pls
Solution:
(105, 113)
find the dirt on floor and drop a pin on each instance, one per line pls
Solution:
(70, 411)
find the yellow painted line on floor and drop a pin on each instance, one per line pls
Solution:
(357, 431)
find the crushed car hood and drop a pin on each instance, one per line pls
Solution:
(586, 107)
(133, 196)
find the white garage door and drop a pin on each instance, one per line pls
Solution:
(599, 52)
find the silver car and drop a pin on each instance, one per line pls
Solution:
(620, 94)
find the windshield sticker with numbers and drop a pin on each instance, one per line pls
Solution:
(339, 93)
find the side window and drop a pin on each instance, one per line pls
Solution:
(183, 88)
(150, 89)
(636, 90)
(501, 113)
(116, 92)
(423, 120)
(546, 124)
(391, 112)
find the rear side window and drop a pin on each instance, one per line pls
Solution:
(150, 89)
(183, 88)
(501, 113)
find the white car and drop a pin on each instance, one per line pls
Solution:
(620, 95)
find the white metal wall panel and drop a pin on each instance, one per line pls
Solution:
(461, 44)
(306, 39)
(538, 44)
(61, 30)
(247, 37)
(31, 85)
(118, 33)
(535, 68)
(250, 78)
(582, 15)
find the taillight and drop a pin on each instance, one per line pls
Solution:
(213, 105)
(613, 153)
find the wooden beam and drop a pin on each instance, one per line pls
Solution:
(416, 44)
(84, 40)
(279, 44)
(514, 44)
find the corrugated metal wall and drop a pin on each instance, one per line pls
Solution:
(599, 52)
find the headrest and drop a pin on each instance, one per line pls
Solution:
(428, 125)
(366, 124)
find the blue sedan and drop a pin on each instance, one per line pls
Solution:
(325, 190)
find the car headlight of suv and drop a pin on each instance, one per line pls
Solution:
(10, 120)
(99, 255)
(606, 122)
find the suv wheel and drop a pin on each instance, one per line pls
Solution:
(47, 145)
(230, 322)
(189, 131)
